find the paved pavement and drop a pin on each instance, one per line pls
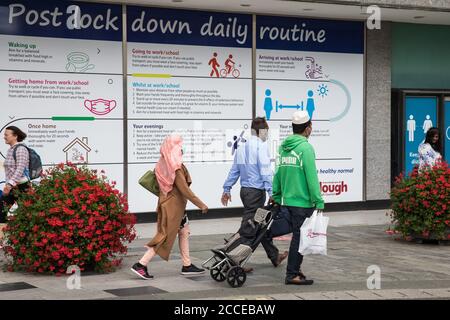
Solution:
(356, 241)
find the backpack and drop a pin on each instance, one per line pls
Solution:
(34, 165)
(150, 182)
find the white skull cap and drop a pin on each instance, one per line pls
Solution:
(300, 117)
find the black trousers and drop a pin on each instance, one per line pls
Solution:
(295, 259)
(253, 199)
(7, 201)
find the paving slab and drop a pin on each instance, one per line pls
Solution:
(286, 296)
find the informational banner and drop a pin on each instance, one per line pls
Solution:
(316, 66)
(420, 115)
(189, 72)
(61, 81)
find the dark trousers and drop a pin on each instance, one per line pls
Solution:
(7, 201)
(253, 199)
(295, 259)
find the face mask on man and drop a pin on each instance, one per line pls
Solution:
(264, 134)
(309, 131)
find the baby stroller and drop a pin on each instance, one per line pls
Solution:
(229, 259)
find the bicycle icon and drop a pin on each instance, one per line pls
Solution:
(233, 71)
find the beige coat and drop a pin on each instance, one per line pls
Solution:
(170, 211)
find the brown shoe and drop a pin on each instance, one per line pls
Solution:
(280, 259)
(299, 281)
(248, 270)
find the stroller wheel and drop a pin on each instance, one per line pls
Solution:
(236, 277)
(219, 273)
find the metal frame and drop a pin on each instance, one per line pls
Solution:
(125, 97)
(381, 4)
(253, 65)
(364, 137)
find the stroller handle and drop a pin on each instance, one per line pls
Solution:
(1, 189)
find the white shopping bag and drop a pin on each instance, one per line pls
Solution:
(313, 235)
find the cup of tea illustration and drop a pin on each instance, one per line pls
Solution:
(77, 61)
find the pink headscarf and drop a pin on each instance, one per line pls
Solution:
(169, 162)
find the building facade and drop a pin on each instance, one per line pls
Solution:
(123, 75)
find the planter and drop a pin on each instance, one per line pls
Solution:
(74, 216)
(421, 201)
(431, 238)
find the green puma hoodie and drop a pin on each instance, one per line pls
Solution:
(296, 182)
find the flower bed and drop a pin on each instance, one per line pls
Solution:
(421, 203)
(73, 217)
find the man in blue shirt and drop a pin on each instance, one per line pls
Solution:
(252, 165)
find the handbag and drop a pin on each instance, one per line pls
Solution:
(150, 182)
(281, 223)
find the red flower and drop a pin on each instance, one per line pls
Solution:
(55, 255)
(27, 203)
(68, 211)
(55, 210)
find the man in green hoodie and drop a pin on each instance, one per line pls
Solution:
(296, 187)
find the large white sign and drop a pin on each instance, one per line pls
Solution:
(208, 154)
(186, 98)
(188, 72)
(62, 82)
(187, 75)
(316, 66)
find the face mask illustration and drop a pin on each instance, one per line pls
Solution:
(100, 107)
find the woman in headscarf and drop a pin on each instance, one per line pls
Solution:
(174, 181)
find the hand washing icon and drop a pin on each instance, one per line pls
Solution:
(100, 107)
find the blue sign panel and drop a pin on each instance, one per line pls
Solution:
(61, 19)
(157, 25)
(446, 134)
(420, 115)
(298, 34)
